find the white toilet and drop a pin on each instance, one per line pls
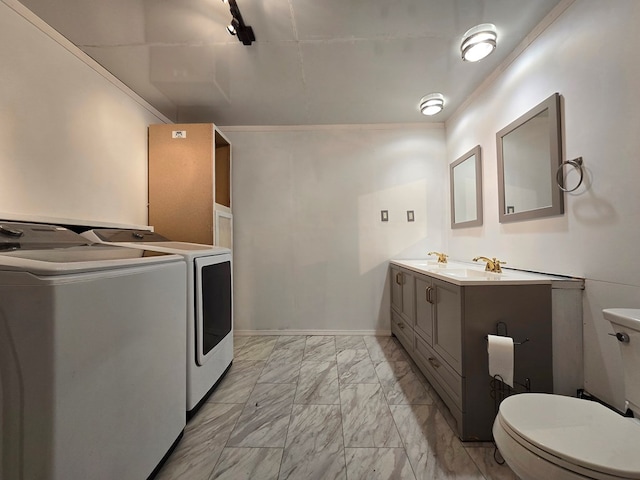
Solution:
(551, 437)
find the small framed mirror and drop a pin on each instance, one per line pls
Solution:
(465, 175)
(529, 155)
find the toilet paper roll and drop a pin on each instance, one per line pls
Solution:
(501, 357)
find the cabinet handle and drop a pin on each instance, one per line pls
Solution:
(434, 362)
(429, 292)
(398, 278)
(401, 325)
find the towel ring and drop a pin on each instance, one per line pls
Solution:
(577, 164)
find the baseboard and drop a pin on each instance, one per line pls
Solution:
(377, 333)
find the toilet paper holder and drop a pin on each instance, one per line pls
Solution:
(501, 331)
(498, 389)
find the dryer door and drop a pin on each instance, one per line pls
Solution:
(214, 303)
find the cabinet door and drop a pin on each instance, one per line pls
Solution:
(396, 289)
(402, 295)
(424, 308)
(447, 329)
(408, 297)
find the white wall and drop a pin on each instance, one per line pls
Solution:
(310, 250)
(73, 139)
(588, 56)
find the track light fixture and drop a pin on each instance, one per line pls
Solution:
(237, 26)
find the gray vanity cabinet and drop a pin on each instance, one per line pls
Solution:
(446, 337)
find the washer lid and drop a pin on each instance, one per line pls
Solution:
(126, 235)
(581, 432)
(152, 240)
(31, 236)
(78, 259)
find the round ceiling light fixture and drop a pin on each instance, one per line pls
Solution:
(432, 104)
(478, 42)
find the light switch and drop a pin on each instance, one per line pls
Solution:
(384, 215)
(410, 217)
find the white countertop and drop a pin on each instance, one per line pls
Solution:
(468, 273)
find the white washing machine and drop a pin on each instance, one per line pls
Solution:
(209, 313)
(91, 356)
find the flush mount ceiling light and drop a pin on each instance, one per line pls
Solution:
(432, 104)
(478, 42)
(237, 26)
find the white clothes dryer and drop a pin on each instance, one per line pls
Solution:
(91, 356)
(209, 312)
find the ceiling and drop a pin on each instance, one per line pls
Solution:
(313, 61)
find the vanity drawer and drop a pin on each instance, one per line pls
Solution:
(448, 379)
(403, 331)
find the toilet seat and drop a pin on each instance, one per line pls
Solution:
(577, 435)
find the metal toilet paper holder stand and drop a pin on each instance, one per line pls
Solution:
(498, 389)
(501, 331)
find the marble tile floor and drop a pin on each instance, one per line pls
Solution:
(325, 407)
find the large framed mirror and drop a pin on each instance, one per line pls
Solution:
(465, 176)
(529, 155)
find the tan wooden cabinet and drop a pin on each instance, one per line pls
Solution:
(190, 183)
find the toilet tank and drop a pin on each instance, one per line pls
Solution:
(626, 324)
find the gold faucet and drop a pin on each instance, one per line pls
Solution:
(493, 264)
(442, 258)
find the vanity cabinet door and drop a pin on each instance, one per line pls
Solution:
(402, 293)
(396, 289)
(447, 328)
(424, 308)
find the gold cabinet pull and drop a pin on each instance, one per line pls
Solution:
(398, 278)
(434, 362)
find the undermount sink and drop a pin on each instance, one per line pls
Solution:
(471, 273)
(431, 264)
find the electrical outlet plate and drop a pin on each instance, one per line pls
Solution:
(384, 215)
(410, 216)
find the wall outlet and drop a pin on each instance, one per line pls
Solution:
(410, 216)
(384, 215)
